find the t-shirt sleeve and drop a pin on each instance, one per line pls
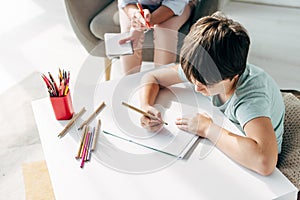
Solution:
(123, 3)
(252, 107)
(181, 74)
(177, 6)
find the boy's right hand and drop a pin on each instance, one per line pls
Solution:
(152, 125)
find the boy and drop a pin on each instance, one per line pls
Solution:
(214, 60)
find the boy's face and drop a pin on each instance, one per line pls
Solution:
(210, 90)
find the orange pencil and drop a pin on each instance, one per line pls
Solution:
(142, 13)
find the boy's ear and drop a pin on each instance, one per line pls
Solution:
(236, 77)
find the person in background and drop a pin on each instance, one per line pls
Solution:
(164, 16)
(214, 59)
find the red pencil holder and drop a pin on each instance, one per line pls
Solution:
(62, 107)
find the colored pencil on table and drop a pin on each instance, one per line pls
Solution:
(90, 144)
(84, 140)
(100, 107)
(71, 122)
(84, 150)
(81, 142)
(96, 135)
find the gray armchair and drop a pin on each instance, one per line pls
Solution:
(289, 158)
(90, 19)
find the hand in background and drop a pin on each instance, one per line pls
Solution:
(140, 22)
(134, 37)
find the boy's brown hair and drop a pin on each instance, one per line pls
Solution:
(215, 49)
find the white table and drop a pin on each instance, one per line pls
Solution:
(213, 176)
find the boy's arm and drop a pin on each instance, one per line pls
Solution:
(257, 151)
(154, 80)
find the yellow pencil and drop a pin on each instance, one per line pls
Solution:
(84, 141)
(81, 142)
(66, 90)
(143, 112)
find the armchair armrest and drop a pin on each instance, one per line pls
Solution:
(80, 13)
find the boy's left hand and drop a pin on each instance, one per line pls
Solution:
(198, 124)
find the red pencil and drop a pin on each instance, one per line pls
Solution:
(53, 81)
(49, 85)
(46, 81)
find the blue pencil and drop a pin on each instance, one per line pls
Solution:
(90, 144)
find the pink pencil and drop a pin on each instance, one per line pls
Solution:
(85, 149)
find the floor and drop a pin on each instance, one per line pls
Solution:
(36, 37)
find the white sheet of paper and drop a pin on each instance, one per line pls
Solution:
(170, 139)
(124, 122)
(112, 46)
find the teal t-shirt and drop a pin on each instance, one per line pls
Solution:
(256, 95)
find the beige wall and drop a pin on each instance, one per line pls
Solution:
(289, 3)
(222, 3)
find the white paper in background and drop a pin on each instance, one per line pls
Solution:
(112, 46)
